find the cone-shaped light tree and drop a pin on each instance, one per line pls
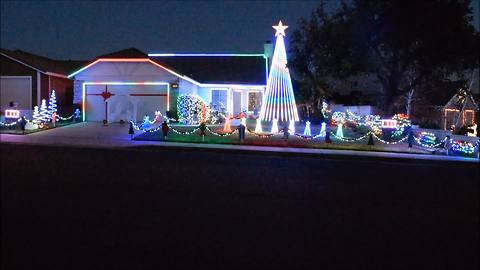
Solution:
(44, 115)
(52, 103)
(278, 100)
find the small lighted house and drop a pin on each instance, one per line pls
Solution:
(128, 84)
(460, 110)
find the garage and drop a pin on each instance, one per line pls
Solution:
(16, 89)
(132, 101)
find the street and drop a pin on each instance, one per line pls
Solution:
(154, 207)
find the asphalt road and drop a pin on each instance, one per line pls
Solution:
(82, 208)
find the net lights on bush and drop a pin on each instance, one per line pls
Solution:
(427, 138)
(465, 148)
(188, 106)
(279, 101)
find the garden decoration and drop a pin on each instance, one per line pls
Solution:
(274, 126)
(226, 125)
(279, 101)
(307, 132)
(291, 127)
(258, 126)
(322, 129)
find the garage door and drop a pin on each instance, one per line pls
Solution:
(17, 89)
(127, 102)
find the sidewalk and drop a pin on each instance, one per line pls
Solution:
(95, 135)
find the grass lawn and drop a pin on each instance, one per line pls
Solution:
(278, 141)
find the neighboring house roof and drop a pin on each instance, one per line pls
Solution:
(220, 68)
(42, 64)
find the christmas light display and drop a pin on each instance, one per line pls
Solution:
(274, 126)
(52, 103)
(427, 138)
(463, 148)
(258, 126)
(323, 130)
(36, 115)
(339, 130)
(44, 115)
(12, 114)
(85, 84)
(226, 125)
(187, 107)
(307, 132)
(146, 122)
(402, 124)
(279, 101)
(291, 127)
(243, 121)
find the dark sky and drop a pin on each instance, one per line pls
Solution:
(85, 29)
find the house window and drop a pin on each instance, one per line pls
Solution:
(219, 100)
(254, 101)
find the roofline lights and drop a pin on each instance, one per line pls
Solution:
(204, 54)
(148, 60)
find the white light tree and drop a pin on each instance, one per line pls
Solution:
(36, 115)
(279, 101)
(52, 103)
(44, 115)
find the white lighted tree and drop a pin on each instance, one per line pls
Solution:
(279, 101)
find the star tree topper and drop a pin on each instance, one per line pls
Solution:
(280, 29)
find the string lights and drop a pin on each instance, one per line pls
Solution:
(279, 101)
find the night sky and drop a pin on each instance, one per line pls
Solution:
(85, 29)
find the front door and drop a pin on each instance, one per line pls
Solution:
(237, 102)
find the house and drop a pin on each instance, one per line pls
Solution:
(26, 79)
(129, 84)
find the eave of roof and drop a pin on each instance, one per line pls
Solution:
(166, 69)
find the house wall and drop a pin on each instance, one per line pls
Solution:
(9, 67)
(64, 91)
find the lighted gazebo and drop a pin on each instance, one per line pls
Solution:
(459, 110)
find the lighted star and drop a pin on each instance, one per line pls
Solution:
(280, 29)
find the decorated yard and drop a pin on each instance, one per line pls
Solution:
(358, 140)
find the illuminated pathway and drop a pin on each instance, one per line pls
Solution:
(95, 135)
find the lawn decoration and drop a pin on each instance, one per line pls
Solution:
(322, 130)
(52, 104)
(188, 106)
(291, 127)
(339, 133)
(258, 126)
(37, 118)
(307, 132)
(274, 126)
(427, 139)
(279, 101)
(146, 122)
(226, 125)
(44, 115)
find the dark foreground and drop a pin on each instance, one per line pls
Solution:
(66, 208)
